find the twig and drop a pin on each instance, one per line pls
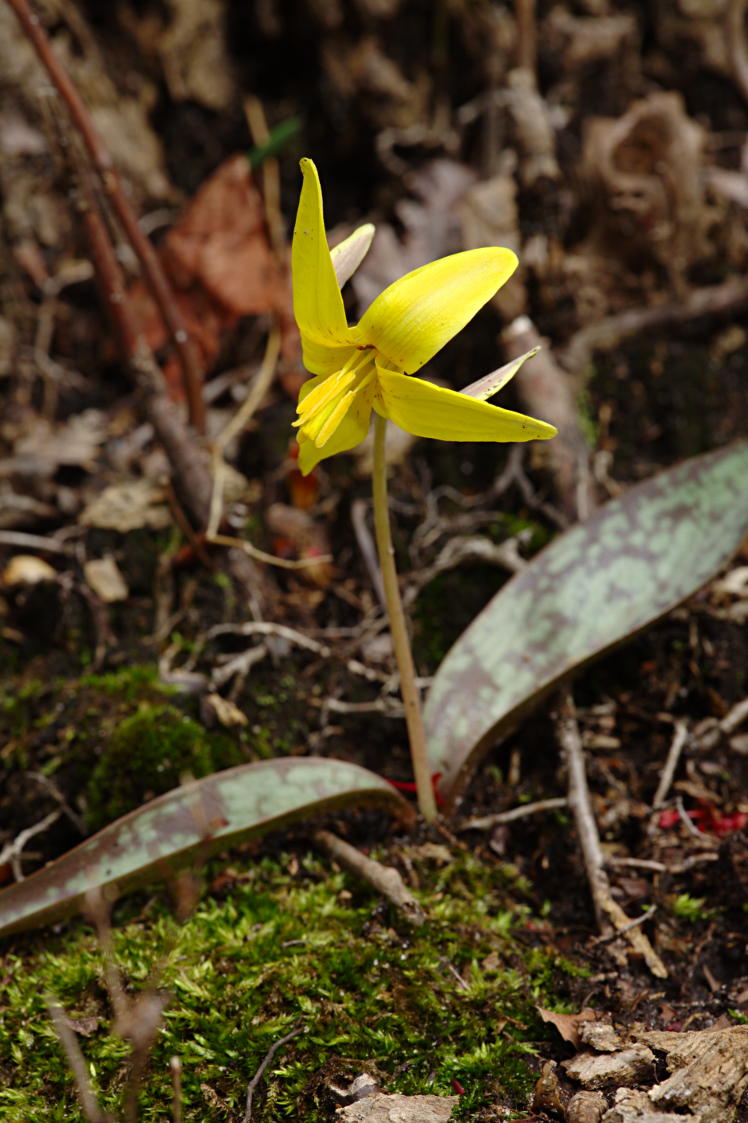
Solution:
(367, 548)
(252, 1086)
(261, 555)
(175, 1067)
(524, 14)
(734, 717)
(385, 879)
(77, 1062)
(485, 822)
(97, 910)
(680, 738)
(606, 909)
(240, 420)
(546, 390)
(49, 786)
(271, 186)
(735, 43)
(627, 927)
(282, 631)
(240, 664)
(706, 840)
(389, 707)
(101, 160)
(188, 463)
(607, 334)
(12, 851)
(20, 540)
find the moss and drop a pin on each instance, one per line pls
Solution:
(294, 945)
(112, 740)
(149, 753)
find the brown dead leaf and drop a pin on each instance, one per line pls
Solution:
(128, 506)
(221, 264)
(568, 1024)
(84, 1027)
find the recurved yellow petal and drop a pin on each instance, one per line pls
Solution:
(416, 315)
(317, 303)
(426, 410)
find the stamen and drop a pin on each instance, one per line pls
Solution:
(323, 394)
(337, 415)
(327, 405)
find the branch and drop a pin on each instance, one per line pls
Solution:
(153, 274)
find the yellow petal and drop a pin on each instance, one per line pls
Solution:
(350, 432)
(426, 410)
(317, 303)
(413, 318)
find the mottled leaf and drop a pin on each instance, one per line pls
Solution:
(596, 585)
(185, 826)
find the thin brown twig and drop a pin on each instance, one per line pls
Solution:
(711, 300)
(77, 1062)
(607, 911)
(189, 464)
(252, 1086)
(101, 161)
(385, 879)
(735, 42)
(524, 14)
(680, 737)
(13, 850)
(485, 822)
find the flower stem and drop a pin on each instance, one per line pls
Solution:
(398, 629)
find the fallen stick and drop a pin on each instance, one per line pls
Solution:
(385, 879)
(607, 911)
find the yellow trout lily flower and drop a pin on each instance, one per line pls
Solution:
(370, 365)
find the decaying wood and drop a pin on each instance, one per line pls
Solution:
(398, 1109)
(708, 1076)
(586, 1107)
(634, 1064)
(634, 1106)
(709, 1071)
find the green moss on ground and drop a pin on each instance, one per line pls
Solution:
(291, 944)
(116, 740)
(148, 753)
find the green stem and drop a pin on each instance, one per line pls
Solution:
(398, 629)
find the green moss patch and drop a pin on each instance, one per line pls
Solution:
(292, 944)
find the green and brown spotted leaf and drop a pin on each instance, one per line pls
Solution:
(184, 827)
(598, 584)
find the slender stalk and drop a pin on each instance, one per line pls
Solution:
(398, 628)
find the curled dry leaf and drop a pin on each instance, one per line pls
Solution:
(568, 1024)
